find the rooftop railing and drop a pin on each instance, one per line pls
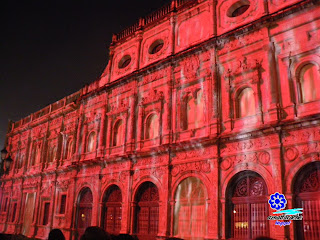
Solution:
(48, 109)
(163, 11)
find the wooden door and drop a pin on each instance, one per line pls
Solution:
(84, 211)
(147, 212)
(308, 198)
(112, 213)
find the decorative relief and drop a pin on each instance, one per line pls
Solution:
(63, 184)
(31, 183)
(94, 100)
(196, 153)
(248, 145)
(291, 154)
(153, 96)
(304, 135)
(155, 76)
(118, 107)
(39, 131)
(124, 88)
(203, 166)
(240, 41)
(151, 161)
(47, 189)
(69, 127)
(264, 157)
(190, 67)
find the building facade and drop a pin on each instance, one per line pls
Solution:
(205, 108)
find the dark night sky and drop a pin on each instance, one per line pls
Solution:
(52, 48)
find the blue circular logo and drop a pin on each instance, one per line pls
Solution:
(277, 201)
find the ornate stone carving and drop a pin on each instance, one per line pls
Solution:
(291, 154)
(202, 166)
(153, 96)
(264, 157)
(190, 67)
(155, 76)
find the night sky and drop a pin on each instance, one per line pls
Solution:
(50, 48)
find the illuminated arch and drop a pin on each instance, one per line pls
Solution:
(152, 126)
(190, 209)
(91, 142)
(118, 133)
(246, 105)
(246, 206)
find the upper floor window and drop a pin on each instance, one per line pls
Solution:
(91, 142)
(246, 103)
(52, 153)
(69, 148)
(118, 134)
(309, 83)
(20, 161)
(193, 111)
(36, 153)
(152, 127)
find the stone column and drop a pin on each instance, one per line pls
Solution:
(102, 132)
(108, 143)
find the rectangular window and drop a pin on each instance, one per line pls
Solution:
(14, 209)
(46, 213)
(63, 202)
(4, 206)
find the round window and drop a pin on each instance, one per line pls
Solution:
(156, 46)
(125, 61)
(238, 8)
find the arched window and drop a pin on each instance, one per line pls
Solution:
(190, 221)
(306, 191)
(147, 211)
(112, 212)
(52, 153)
(199, 114)
(69, 151)
(91, 146)
(309, 83)
(118, 135)
(247, 207)
(35, 153)
(192, 111)
(20, 161)
(246, 103)
(152, 127)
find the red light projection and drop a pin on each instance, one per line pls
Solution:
(204, 109)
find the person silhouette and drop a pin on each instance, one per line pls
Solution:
(56, 234)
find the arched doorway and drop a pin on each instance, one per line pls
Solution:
(112, 210)
(190, 212)
(306, 191)
(247, 207)
(84, 211)
(146, 212)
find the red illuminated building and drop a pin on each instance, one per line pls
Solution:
(204, 109)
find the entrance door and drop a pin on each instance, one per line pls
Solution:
(84, 211)
(112, 210)
(308, 198)
(147, 212)
(248, 209)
